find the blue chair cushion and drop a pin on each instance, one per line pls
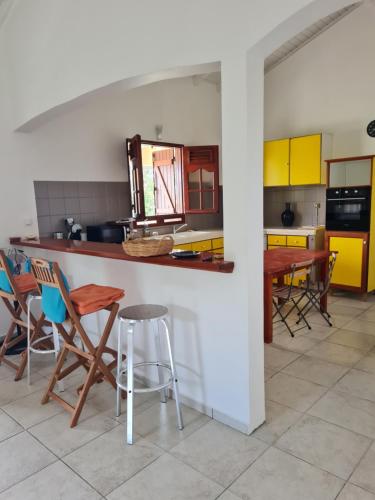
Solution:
(4, 282)
(53, 305)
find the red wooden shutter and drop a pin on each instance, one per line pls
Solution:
(167, 181)
(201, 179)
(134, 155)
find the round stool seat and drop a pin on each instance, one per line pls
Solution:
(143, 312)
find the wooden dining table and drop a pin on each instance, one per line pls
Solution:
(277, 263)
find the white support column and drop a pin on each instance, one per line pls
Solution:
(242, 150)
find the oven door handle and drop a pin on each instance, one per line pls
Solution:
(346, 199)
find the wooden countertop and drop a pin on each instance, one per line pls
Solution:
(115, 251)
(279, 260)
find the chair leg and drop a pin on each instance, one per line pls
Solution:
(28, 352)
(6, 340)
(163, 392)
(130, 385)
(83, 394)
(174, 377)
(56, 347)
(118, 370)
(55, 375)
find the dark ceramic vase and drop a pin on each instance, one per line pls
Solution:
(287, 217)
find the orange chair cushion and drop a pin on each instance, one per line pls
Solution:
(91, 298)
(26, 282)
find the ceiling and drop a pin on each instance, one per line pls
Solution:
(297, 42)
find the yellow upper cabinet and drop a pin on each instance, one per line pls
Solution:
(305, 160)
(297, 161)
(276, 163)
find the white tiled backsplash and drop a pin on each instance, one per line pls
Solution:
(302, 199)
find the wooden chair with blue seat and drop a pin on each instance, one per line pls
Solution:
(88, 356)
(14, 291)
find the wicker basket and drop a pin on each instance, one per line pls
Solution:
(143, 247)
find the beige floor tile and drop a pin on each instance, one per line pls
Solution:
(364, 475)
(300, 343)
(344, 310)
(167, 479)
(368, 315)
(361, 326)
(353, 413)
(359, 384)
(55, 481)
(318, 332)
(337, 320)
(268, 373)
(353, 302)
(6, 371)
(324, 445)
(352, 339)
(108, 461)
(21, 456)
(335, 353)
(279, 476)
(351, 492)
(8, 427)
(367, 364)
(316, 370)
(11, 390)
(219, 452)
(275, 358)
(28, 411)
(158, 424)
(56, 434)
(293, 392)
(228, 495)
(278, 419)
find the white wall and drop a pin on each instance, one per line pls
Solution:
(88, 143)
(57, 51)
(328, 86)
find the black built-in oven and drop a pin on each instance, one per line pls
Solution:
(348, 208)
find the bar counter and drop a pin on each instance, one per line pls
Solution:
(115, 251)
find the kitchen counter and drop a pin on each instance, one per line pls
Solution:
(294, 231)
(115, 251)
(185, 237)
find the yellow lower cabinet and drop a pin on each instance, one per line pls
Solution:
(296, 241)
(276, 240)
(217, 243)
(187, 246)
(349, 262)
(202, 246)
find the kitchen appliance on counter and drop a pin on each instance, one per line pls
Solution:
(105, 233)
(348, 208)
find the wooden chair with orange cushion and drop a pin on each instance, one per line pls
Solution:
(14, 294)
(79, 302)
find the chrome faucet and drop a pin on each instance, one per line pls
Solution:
(146, 229)
(177, 228)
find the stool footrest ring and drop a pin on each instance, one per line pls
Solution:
(154, 388)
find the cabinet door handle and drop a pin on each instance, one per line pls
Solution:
(364, 242)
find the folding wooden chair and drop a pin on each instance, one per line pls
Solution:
(16, 302)
(88, 356)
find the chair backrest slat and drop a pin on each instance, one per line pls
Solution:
(43, 274)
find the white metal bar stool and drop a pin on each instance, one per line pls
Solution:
(132, 315)
(33, 346)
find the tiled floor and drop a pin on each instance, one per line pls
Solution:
(318, 442)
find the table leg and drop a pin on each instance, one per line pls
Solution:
(267, 291)
(323, 277)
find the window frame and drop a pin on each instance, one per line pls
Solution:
(138, 202)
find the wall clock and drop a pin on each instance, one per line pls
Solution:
(371, 129)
